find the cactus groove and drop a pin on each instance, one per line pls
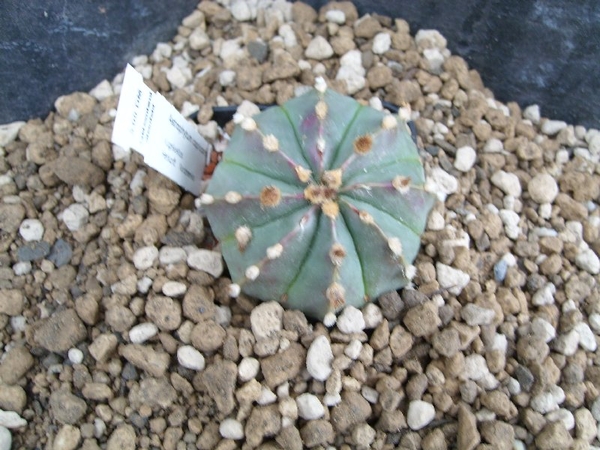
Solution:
(319, 203)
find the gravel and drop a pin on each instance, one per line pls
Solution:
(118, 330)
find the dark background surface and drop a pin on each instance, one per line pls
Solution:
(531, 51)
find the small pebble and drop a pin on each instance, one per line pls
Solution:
(190, 358)
(75, 355)
(5, 439)
(144, 257)
(552, 127)
(31, 230)
(381, 43)
(465, 158)
(588, 260)
(231, 429)
(75, 216)
(351, 320)
(542, 188)
(319, 359)
(10, 419)
(142, 332)
(310, 407)
(507, 182)
(420, 414)
(248, 369)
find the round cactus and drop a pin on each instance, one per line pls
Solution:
(319, 203)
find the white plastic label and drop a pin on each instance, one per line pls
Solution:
(149, 124)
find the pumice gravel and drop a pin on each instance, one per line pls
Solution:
(116, 323)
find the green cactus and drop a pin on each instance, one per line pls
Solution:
(319, 203)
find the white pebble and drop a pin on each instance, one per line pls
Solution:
(567, 343)
(267, 397)
(75, 355)
(9, 132)
(588, 260)
(31, 230)
(419, 414)
(241, 11)
(465, 158)
(206, 260)
(266, 320)
(548, 400)
(332, 399)
(179, 76)
(18, 323)
(434, 58)
(248, 369)
(5, 439)
(227, 78)
(75, 216)
(353, 349)
(435, 221)
(351, 320)
(171, 255)
(319, 358)
(441, 183)
(542, 188)
(493, 145)
(475, 315)
(431, 38)
(594, 320)
(310, 407)
(352, 71)
(102, 91)
(190, 358)
(544, 296)
(231, 429)
(507, 182)
(452, 279)
(143, 285)
(10, 419)
(552, 127)
(319, 49)
(543, 329)
(174, 289)
(381, 43)
(475, 367)
(22, 268)
(532, 113)
(144, 257)
(587, 340)
(336, 16)
(372, 315)
(142, 332)
(510, 219)
(199, 40)
(564, 415)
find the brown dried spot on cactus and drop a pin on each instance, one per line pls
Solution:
(318, 194)
(363, 144)
(337, 253)
(401, 184)
(270, 196)
(336, 295)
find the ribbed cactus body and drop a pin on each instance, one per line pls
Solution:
(319, 203)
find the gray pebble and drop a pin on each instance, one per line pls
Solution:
(61, 253)
(33, 251)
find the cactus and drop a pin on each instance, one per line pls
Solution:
(319, 203)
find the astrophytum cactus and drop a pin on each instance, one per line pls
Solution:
(319, 203)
